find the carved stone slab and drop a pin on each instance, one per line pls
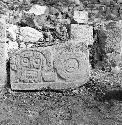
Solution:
(59, 67)
(2, 51)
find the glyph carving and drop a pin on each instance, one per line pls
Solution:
(72, 66)
(48, 73)
(63, 64)
(49, 76)
(60, 65)
(26, 66)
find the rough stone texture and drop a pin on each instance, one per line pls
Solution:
(83, 33)
(81, 16)
(2, 51)
(56, 67)
(59, 66)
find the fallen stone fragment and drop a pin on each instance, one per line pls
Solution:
(29, 34)
(13, 29)
(37, 9)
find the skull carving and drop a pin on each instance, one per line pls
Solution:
(29, 66)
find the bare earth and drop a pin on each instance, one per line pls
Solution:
(52, 108)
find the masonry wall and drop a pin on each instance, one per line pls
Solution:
(2, 51)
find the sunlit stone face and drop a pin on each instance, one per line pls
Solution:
(81, 16)
(29, 34)
(38, 10)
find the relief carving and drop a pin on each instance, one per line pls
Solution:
(26, 66)
(72, 66)
(48, 73)
(49, 76)
(61, 64)
(47, 57)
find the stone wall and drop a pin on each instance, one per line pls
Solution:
(2, 51)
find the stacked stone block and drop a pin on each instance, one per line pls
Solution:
(2, 51)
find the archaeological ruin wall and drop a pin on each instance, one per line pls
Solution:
(60, 66)
(2, 51)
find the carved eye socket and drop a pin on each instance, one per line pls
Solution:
(25, 62)
(36, 61)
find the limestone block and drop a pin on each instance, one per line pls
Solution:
(81, 16)
(25, 66)
(38, 10)
(119, 24)
(53, 66)
(82, 33)
(2, 51)
(29, 34)
(2, 29)
(76, 1)
(13, 30)
(72, 66)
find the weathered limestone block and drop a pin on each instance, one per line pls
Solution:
(59, 66)
(30, 66)
(119, 24)
(26, 65)
(81, 16)
(2, 51)
(29, 34)
(56, 67)
(38, 10)
(12, 30)
(72, 64)
(82, 33)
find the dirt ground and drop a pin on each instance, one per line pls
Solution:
(55, 108)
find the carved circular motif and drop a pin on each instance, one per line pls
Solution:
(71, 66)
